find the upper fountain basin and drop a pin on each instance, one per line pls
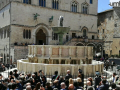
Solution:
(61, 29)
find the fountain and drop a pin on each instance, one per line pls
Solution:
(51, 58)
(60, 30)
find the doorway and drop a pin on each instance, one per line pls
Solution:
(40, 38)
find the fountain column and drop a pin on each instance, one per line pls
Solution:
(61, 39)
(59, 61)
(59, 52)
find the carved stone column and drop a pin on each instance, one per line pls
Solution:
(77, 61)
(32, 50)
(69, 51)
(35, 51)
(59, 61)
(59, 52)
(50, 61)
(68, 61)
(76, 51)
(50, 51)
(43, 51)
(83, 61)
(85, 51)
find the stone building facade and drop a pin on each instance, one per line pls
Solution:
(24, 22)
(109, 29)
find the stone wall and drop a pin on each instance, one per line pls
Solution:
(117, 22)
(106, 29)
(22, 14)
(63, 4)
(20, 52)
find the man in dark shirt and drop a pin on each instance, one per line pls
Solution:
(48, 87)
(68, 75)
(97, 80)
(104, 86)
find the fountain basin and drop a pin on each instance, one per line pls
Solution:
(61, 30)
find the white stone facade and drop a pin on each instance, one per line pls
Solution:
(19, 16)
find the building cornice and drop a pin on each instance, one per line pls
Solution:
(31, 26)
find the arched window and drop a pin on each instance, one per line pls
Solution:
(85, 8)
(1, 34)
(42, 3)
(27, 1)
(8, 33)
(55, 4)
(4, 33)
(84, 32)
(23, 33)
(26, 34)
(74, 6)
(29, 34)
(91, 1)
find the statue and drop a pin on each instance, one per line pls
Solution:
(35, 16)
(61, 21)
(51, 19)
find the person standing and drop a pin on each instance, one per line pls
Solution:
(68, 76)
(97, 81)
(104, 86)
(112, 65)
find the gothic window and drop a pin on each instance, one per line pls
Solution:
(74, 6)
(1, 34)
(85, 8)
(84, 32)
(23, 33)
(42, 3)
(93, 37)
(27, 1)
(55, 4)
(91, 1)
(27, 34)
(8, 33)
(5, 34)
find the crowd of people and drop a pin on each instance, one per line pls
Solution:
(109, 64)
(38, 81)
